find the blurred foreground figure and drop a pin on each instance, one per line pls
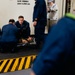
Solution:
(8, 40)
(58, 54)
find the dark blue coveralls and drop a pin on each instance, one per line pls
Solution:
(58, 54)
(24, 29)
(41, 15)
(8, 38)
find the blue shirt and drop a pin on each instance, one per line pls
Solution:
(9, 33)
(24, 29)
(40, 11)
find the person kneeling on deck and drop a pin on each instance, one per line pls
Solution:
(9, 39)
(24, 30)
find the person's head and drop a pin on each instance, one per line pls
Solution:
(51, 2)
(21, 19)
(12, 21)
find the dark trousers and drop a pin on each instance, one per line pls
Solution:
(8, 46)
(39, 33)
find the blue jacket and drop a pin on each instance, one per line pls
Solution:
(58, 54)
(9, 33)
(24, 29)
(40, 11)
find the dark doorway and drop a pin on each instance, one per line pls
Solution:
(68, 6)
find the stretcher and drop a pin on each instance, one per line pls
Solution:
(24, 44)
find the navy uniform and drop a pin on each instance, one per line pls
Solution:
(24, 29)
(9, 37)
(58, 54)
(40, 15)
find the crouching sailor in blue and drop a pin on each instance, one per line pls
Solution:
(58, 54)
(39, 20)
(24, 30)
(23, 26)
(9, 39)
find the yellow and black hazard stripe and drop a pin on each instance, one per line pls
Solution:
(10, 65)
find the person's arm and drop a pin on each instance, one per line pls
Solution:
(53, 52)
(17, 34)
(37, 11)
(28, 30)
(54, 9)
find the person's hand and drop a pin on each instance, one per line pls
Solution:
(34, 23)
(32, 73)
(48, 9)
(24, 41)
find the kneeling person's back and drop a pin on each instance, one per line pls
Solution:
(9, 32)
(9, 38)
